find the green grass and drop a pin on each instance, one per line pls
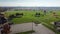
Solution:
(29, 17)
(27, 32)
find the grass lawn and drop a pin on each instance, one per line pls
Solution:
(27, 32)
(29, 16)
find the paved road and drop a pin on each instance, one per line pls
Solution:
(40, 29)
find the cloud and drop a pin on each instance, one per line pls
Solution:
(33, 3)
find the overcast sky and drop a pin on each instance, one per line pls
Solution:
(31, 3)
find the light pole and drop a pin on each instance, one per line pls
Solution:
(32, 27)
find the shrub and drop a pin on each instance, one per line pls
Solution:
(11, 17)
(37, 15)
(19, 15)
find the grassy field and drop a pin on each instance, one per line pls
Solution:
(29, 16)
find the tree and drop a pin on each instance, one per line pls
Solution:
(44, 12)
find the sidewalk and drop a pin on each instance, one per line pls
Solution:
(40, 29)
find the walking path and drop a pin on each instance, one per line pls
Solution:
(40, 29)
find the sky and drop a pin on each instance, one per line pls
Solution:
(31, 3)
